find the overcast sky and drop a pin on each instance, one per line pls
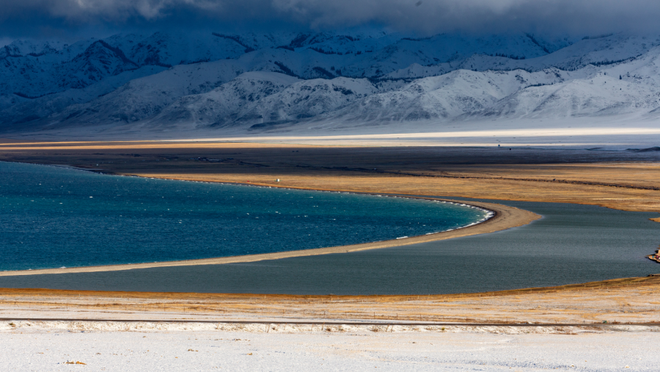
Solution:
(82, 18)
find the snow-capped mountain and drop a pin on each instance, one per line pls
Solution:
(266, 82)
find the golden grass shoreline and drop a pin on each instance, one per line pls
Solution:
(619, 180)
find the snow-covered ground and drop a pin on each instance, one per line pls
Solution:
(40, 346)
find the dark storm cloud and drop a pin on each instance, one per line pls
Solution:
(419, 16)
(430, 16)
(80, 11)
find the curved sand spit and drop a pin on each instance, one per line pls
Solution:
(504, 217)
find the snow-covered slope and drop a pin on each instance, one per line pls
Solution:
(613, 89)
(226, 104)
(263, 82)
(29, 113)
(445, 96)
(145, 97)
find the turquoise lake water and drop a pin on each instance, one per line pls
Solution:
(58, 217)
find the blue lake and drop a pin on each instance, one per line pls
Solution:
(54, 217)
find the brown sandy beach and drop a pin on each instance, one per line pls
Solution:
(623, 180)
(629, 301)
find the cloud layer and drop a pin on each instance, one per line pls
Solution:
(418, 16)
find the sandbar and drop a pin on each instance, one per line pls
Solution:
(504, 217)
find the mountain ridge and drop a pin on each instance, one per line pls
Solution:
(263, 82)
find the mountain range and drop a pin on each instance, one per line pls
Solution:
(226, 83)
